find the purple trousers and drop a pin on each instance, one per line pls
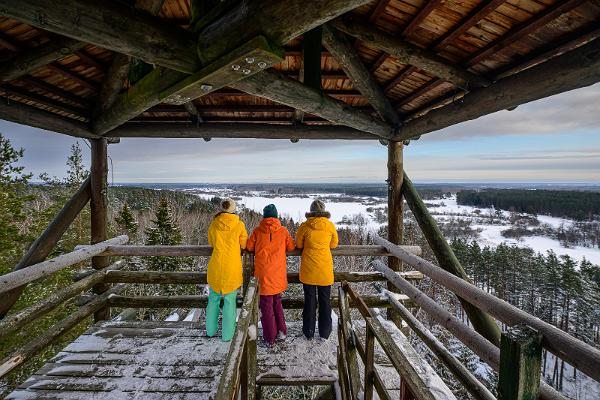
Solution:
(271, 317)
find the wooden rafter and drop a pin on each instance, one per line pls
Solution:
(379, 10)
(28, 61)
(277, 87)
(576, 69)
(419, 92)
(479, 13)
(523, 30)
(410, 54)
(348, 58)
(61, 70)
(310, 67)
(55, 90)
(402, 75)
(90, 60)
(420, 17)
(10, 90)
(253, 130)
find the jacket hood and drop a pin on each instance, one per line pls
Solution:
(268, 225)
(226, 221)
(317, 214)
(318, 223)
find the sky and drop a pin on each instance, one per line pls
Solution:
(556, 139)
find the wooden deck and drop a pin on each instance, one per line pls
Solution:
(175, 361)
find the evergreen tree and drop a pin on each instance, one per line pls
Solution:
(165, 231)
(12, 201)
(76, 172)
(126, 222)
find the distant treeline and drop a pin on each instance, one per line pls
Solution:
(558, 203)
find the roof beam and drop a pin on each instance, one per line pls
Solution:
(576, 69)
(28, 61)
(410, 54)
(420, 17)
(432, 84)
(247, 130)
(350, 61)
(27, 115)
(310, 67)
(402, 75)
(275, 86)
(527, 27)
(112, 26)
(10, 90)
(479, 13)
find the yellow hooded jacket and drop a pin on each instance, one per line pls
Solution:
(227, 236)
(316, 237)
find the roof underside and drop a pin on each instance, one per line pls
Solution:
(488, 38)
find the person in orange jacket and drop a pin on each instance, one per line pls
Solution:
(227, 236)
(269, 242)
(316, 237)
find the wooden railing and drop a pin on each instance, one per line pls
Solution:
(239, 373)
(523, 326)
(12, 323)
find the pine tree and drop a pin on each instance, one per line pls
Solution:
(126, 222)
(164, 232)
(12, 202)
(76, 172)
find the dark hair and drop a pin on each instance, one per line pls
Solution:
(225, 204)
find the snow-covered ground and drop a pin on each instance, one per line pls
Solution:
(442, 209)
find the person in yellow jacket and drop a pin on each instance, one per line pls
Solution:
(227, 236)
(316, 237)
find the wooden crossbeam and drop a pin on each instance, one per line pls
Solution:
(402, 75)
(274, 86)
(523, 30)
(112, 26)
(576, 69)
(410, 54)
(55, 90)
(350, 61)
(173, 87)
(419, 92)
(420, 17)
(61, 70)
(239, 130)
(11, 90)
(379, 10)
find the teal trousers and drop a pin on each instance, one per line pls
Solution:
(229, 314)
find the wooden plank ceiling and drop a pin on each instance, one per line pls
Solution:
(491, 38)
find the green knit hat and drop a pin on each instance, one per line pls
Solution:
(270, 211)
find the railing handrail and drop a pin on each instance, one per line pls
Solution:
(230, 378)
(579, 354)
(37, 271)
(205, 250)
(196, 277)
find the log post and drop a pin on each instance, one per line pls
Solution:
(98, 207)
(446, 259)
(520, 363)
(395, 213)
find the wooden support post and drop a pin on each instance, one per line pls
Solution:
(251, 345)
(395, 212)
(310, 69)
(369, 362)
(520, 363)
(351, 356)
(446, 259)
(43, 246)
(99, 208)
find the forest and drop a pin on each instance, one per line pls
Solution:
(578, 205)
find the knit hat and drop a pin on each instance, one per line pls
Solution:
(270, 211)
(228, 205)
(317, 209)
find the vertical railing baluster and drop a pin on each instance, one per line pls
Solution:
(520, 364)
(369, 362)
(251, 345)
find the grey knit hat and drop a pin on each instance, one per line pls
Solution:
(317, 209)
(228, 205)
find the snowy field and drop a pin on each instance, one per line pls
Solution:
(442, 209)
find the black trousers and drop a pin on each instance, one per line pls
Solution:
(309, 314)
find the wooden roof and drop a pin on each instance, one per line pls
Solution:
(492, 39)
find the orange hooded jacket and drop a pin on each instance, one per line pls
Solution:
(270, 241)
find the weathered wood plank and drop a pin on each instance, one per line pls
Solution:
(346, 55)
(45, 268)
(277, 87)
(239, 130)
(572, 70)
(410, 54)
(205, 250)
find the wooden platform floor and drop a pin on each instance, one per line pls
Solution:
(168, 360)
